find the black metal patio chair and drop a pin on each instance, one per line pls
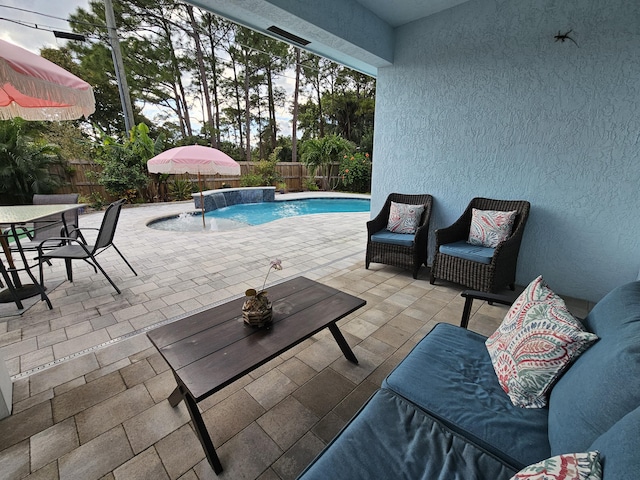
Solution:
(76, 248)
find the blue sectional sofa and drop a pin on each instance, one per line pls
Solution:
(441, 414)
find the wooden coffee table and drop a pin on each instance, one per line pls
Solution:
(211, 349)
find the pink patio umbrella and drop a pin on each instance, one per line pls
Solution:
(34, 88)
(194, 159)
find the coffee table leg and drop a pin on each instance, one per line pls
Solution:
(342, 343)
(201, 429)
(176, 397)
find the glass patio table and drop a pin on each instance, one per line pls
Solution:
(12, 217)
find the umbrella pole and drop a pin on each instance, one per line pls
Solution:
(201, 200)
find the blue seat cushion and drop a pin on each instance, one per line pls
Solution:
(602, 385)
(390, 439)
(465, 250)
(449, 374)
(385, 236)
(619, 447)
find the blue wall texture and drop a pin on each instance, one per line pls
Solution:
(483, 101)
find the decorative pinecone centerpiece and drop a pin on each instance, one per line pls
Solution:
(257, 309)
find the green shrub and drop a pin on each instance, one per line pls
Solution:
(310, 184)
(320, 154)
(28, 165)
(124, 163)
(181, 189)
(94, 200)
(251, 180)
(355, 173)
(268, 169)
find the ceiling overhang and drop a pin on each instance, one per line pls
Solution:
(341, 30)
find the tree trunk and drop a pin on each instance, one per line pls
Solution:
(235, 82)
(181, 99)
(247, 107)
(203, 74)
(273, 127)
(178, 109)
(216, 99)
(259, 121)
(320, 115)
(294, 121)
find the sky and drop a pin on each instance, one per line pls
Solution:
(19, 18)
(28, 36)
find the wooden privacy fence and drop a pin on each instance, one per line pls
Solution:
(84, 178)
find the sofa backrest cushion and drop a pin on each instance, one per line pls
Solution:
(602, 385)
(619, 448)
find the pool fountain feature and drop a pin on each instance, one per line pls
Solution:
(226, 197)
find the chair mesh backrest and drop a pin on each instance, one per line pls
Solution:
(50, 226)
(109, 223)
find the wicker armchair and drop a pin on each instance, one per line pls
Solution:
(491, 277)
(414, 254)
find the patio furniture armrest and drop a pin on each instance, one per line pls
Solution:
(20, 229)
(379, 222)
(76, 232)
(60, 240)
(457, 231)
(471, 295)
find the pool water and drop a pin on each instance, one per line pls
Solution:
(238, 216)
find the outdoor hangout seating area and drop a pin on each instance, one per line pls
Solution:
(89, 384)
(455, 331)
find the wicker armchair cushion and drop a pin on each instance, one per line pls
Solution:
(467, 251)
(385, 236)
(404, 218)
(490, 227)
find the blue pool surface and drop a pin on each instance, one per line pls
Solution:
(238, 216)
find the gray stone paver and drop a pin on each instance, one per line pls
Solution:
(87, 395)
(180, 451)
(53, 442)
(112, 412)
(79, 343)
(14, 461)
(104, 414)
(153, 424)
(89, 461)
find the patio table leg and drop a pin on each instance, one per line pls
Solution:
(12, 294)
(201, 429)
(176, 397)
(342, 343)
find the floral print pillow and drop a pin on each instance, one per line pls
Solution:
(404, 218)
(571, 466)
(533, 345)
(490, 227)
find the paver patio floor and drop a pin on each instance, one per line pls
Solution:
(90, 391)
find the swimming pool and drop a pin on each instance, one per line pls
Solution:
(243, 215)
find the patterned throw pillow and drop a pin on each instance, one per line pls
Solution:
(571, 466)
(536, 341)
(404, 218)
(490, 227)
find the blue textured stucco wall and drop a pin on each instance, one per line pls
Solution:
(482, 101)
